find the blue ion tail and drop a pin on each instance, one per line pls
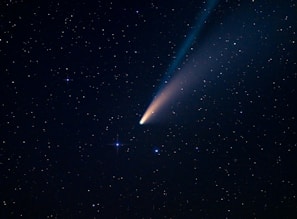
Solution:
(201, 19)
(160, 98)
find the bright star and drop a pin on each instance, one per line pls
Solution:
(117, 143)
(68, 79)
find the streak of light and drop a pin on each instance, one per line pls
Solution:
(171, 89)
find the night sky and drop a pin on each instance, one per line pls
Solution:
(77, 77)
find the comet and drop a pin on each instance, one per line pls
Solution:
(159, 103)
(167, 91)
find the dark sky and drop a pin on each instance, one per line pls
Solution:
(77, 76)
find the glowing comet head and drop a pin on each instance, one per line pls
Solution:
(159, 103)
(146, 116)
(142, 121)
(148, 113)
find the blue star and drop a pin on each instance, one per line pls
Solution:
(156, 150)
(68, 80)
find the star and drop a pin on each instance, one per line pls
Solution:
(117, 143)
(68, 79)
(156, 150)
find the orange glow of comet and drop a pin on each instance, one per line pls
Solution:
(168, 94)
(154, 106)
